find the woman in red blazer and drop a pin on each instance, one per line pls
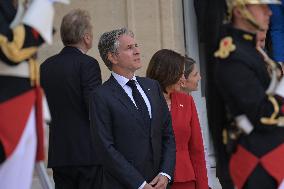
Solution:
(192, 76)
(167, 67)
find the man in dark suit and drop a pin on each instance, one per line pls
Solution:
(68, 78)
(130, 121)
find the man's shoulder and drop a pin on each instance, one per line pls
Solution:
(79, 57)
(48, 60)
(89, 58)
(56, 57)
(107, 85)
(75, 54)
(235, 45)
(231, 49)
(146, 81)
(71, 57)
(110, 84)
(104, 90)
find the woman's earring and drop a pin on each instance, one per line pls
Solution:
(182, 83)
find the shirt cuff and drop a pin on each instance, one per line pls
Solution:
(166, 175)
(142, 185)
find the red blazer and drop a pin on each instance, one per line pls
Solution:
(190, 161)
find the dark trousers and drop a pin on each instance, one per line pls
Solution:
(260, 179)
(2, 153)
(75, 177)
(222, 171)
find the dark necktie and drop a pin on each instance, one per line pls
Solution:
(139, 101)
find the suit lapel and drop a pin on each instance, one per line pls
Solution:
(122, 96)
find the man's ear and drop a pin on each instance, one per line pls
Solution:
(86, 38)
(237, 12)
(112, 57)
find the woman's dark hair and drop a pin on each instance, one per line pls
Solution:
(188, 66)
(166, 66)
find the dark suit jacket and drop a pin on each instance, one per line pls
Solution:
(68, 78)
(130, 151)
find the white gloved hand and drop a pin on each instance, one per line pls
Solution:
(244, 124)
(280, 88)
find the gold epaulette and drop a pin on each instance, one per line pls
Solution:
(226, 46)
(14, 50)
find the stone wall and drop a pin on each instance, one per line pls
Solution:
(156, 23)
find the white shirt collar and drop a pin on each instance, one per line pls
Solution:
(81, 50)
(121, 79)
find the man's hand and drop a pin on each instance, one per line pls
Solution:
(160, 182)
(148, 186)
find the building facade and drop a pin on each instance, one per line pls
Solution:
(156, 24)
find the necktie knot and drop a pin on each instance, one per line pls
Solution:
(131, 84)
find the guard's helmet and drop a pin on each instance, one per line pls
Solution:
(231, 4)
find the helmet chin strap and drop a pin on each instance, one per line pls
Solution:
(249, 18)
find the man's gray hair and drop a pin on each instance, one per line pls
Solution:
(109, 42)
(74, 25)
